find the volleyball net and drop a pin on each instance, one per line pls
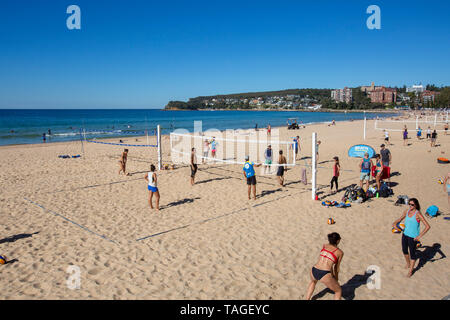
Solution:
(399, 125)
(230, 147)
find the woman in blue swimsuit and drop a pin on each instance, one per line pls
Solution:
(411, 233)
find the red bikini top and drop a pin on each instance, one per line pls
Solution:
(334, 260)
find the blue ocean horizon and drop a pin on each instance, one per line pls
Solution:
(27, 126)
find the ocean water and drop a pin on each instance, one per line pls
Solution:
(28, 126)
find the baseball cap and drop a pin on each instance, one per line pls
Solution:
(382, 145)
(247, 157)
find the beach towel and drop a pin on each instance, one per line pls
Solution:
(304, 180)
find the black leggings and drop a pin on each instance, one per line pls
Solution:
(411, 244)
(334, 180)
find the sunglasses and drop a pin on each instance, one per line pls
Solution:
(411, 204)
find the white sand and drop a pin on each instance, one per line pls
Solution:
(261, 249)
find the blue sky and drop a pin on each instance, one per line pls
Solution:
(141, 54)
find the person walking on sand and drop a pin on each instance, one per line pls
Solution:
(123, 162)
(152, 181)
(365, 166)
(411, 233)
(428, 133)
(193, 166)
(386, 159)
(419, 133)
(249, 174)
(268, 155)
(296, 146)
(213, 147)
(205, 150)
(433, 138)
(386, 136)
(326, 270)
(378, 170)
(317, 150)
(405, 137)
(446, 185)
(336, 172)
(269, 130)
(446, 128)
(281, 168)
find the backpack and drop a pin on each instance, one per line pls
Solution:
(385, 191)
(350, 194)
(360, 193)
(432, 211)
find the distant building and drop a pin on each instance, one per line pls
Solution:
(369, 89)
(429, 96)
(342, 95)
(383, 95)
(416, 89)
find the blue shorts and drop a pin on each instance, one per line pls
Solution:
(152, 189)
(364, 176)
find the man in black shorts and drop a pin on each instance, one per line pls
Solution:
(249, 174)
(281, 168)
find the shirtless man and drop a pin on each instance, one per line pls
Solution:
(281, 168)
(123, 162)
(193, 166)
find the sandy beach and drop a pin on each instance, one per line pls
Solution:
(209, 241)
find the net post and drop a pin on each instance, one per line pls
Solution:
(314, 169)
(158, 143)
(364, 125)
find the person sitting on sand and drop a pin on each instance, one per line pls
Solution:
(446, 128)
(152, 181)
(411, 233)
(281, 168)
(123, 162)
(249, 174)
(365, 166)
(326, 270)
(336, 171)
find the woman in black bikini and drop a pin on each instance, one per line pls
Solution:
(327, 268)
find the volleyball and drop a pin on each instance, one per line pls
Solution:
(396, 230)
(2, 260)
(331, 221)
(400, 226)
